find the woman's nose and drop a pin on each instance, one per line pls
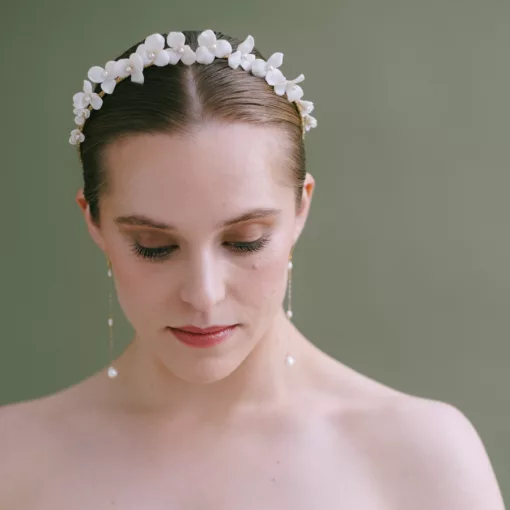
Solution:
(203, 284)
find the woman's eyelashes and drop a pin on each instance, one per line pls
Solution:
(161, 253)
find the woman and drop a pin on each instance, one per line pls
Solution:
(195, 189)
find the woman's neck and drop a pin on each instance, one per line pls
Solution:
(264, 379)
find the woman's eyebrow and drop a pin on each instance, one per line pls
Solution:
(145, 221)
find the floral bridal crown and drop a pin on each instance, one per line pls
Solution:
(153, 52)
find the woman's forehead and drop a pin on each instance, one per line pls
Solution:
(211, 172)
(233, 158)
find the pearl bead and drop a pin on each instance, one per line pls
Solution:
(290, 266)
(110, 322)
(87, 98)
(213, 47)
(180, 50)
(109, 273)
(152, 55)
(270, 68)
(289, 360)
(129, 69)
(112, 372)
(105, 74)
(289, 314)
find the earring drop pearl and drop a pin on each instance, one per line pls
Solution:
(289, 360)
(112, 372)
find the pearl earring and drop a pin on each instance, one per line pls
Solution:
(112, 371)
(289, 360)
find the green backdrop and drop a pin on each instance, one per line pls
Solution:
(402, 271)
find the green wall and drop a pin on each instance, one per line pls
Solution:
(403, 269)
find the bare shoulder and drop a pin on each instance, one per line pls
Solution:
(434, 455)
(31, 441)
(25, 446)
(426, 453)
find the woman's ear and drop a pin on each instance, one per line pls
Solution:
(306, 199)
(93, 228)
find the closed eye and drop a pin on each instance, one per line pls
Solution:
(161, 253)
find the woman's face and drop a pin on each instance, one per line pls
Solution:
(178, 255)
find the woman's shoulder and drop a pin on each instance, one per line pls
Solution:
(25, 447)
(422, 446)
(431, 447)
(416, 445)
(31, 436)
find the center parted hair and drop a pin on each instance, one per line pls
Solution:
(164, 96)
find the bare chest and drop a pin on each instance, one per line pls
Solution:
(301, 471)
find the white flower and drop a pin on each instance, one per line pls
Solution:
(106, 77)
(131, 66)
(76, 137)
(283, 86)
(310, 122)
(209, 47)
(87, 97)
(278, 81)
(81, 115)
(306, 106)
(294, 92)
(261, 68)
(179, 50)
(243, 56)
(152, 51)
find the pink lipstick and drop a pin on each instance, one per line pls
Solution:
(199, 337)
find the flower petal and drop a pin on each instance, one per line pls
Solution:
(137, 76)
(154, 43)
(234, 60)
(259, 68)
(111, 68)
(79, 120)
(275, 77)
(136, 61)
(189, 56)
(306, 106)
(280, 89)
(247, 45)
(108, 86)
(82, 112)
(96, 102)
(79, 100)
(207, 38)
(294, 92)
(96, 74)
(121, 67)
(223, 48)
(176, 39)
(299, 79)
(275, 60)
(162, 58)
(248, 62)
(310, 122)
(87, 87)
(76, 137)
(173, 56)
(204, 56)
(143, 53)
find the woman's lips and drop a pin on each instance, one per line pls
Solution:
(203, 340)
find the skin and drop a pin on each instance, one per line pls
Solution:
(231, 426)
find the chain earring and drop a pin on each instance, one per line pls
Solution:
(112, 371)
(289, 360)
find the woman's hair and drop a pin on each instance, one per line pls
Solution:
(175, 98)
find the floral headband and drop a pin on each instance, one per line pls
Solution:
(153, 52)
